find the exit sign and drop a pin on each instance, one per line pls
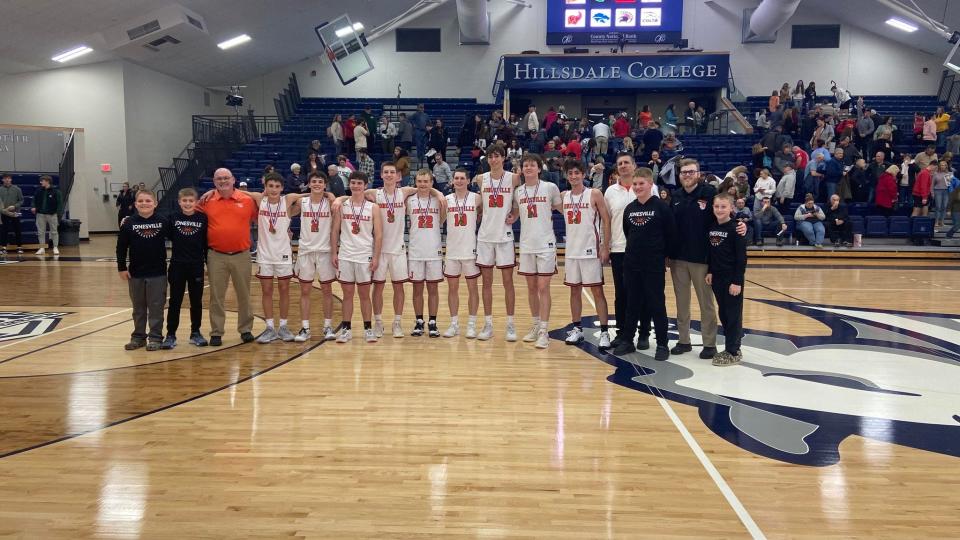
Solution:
(105, 167)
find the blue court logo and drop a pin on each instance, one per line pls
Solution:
(891, 376)
(23, 324)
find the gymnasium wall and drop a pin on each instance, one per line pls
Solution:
(865, 62)
(133, 118)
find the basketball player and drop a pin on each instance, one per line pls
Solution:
(426, 250)
(586, 250)
(393, 260)
(462, 216)
(313, 255)
(495, 238)
(534, 201)
(274, 254)
(356, 237)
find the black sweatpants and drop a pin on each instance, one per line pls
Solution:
(620, 298)
(645, 301)
(185, 277)
(839, 233)
(10, 224)
(731, 313)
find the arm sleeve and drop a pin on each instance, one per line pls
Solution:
(740, 259)
(123, 244)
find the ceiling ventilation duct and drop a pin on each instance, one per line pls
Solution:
(770, 16)
(474, 22)
(166, 26)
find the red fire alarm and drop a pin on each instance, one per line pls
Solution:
(105, 167)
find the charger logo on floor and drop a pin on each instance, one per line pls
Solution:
(891, 376)
(22, 324)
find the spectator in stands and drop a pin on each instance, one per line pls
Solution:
(887, 128)
(644, 117)
(420, 121)
(784, 157)
(621, 130)
(791, 123)
(514, 150)
(670, 117)
(823, 132)
(367, 117)
(530, 124)
(125, 200)
(765, 186)
(441, 173)
(316, 147)
(628, 145)
(740, 213)
(905, 178)
(336, 183)
(832, 173)
(766, 215)
(574, 149)
(930, 130)
(689, 118)
(402, 160)
(665, 196)
(11, 201)
(365, 163)
(360, 134)
(797, 94)
(388, 133)
(313, 164)
(601, 134)
(349, 132)
(838, 226)
(942, 120)
(809, 218)
(549, 118)
(865, 127)
(335, 132)
(841, 96)
(598, 173)
(826, 110)
(876, 168)
(670, 147)
(941, 185)
(48, 205)
(758, 156)
(405, 132)
(953, 204)
(482, 136)
(772, 141)
(774, 102)
(652, 139)
(918, 121)
(655, 164)
(775, 118)
(928, 156)
(850, 152)
(787, 185)
(295, 182)
(814, 173)
(556, 129)
(887, 191)
(921, 190)
(551, 151)
(810, 95)
(439, 137)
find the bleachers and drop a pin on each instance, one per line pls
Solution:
(29, 183)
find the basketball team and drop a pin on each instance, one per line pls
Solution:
(358, 240)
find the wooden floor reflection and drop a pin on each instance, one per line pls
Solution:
(419, 437)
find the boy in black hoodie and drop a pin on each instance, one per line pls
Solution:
(188, 234)
(651, 235)
(144, 234)
(726, 266)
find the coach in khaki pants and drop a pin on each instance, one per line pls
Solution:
(229, 214)
(693, 209)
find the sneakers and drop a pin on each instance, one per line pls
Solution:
(708, 352)
(779, 241)
(662, 353)
(40, 252)
(604, 341)
(216, 341)
(417, 328)
(681, 348)
(818, 246)
(378, 329)
(398, 330)
(56, 251)
(643, 344)
(302, 336)
(267, 336)
(432, 329)
(196, 338)
(486, 332)
(472, 330)
(284, 334)
(575, 336)
(344, 335)
(369, 335)
(169, 343)
(452, 331)
(511, 332)
(246, 337)
(726, 359)
(134, 344)
(625, 347)
(836, 244)
(328, 334)
(543, 339)
(533, 334)
(154, 346)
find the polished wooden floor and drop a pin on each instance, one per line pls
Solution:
(418, 438)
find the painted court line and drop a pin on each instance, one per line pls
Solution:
(18, 342)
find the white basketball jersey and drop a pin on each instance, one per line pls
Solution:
(536, 216)
(497, 199)
(462, 226)
(273, 244)
(582, 222)
(314, 226)
(425, 241)
(391, 215)
(356, 231)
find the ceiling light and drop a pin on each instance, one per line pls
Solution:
(900, 25)
(72, 53)
(343, 32)
(233, 42)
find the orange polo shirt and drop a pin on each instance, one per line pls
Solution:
(228, 221)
